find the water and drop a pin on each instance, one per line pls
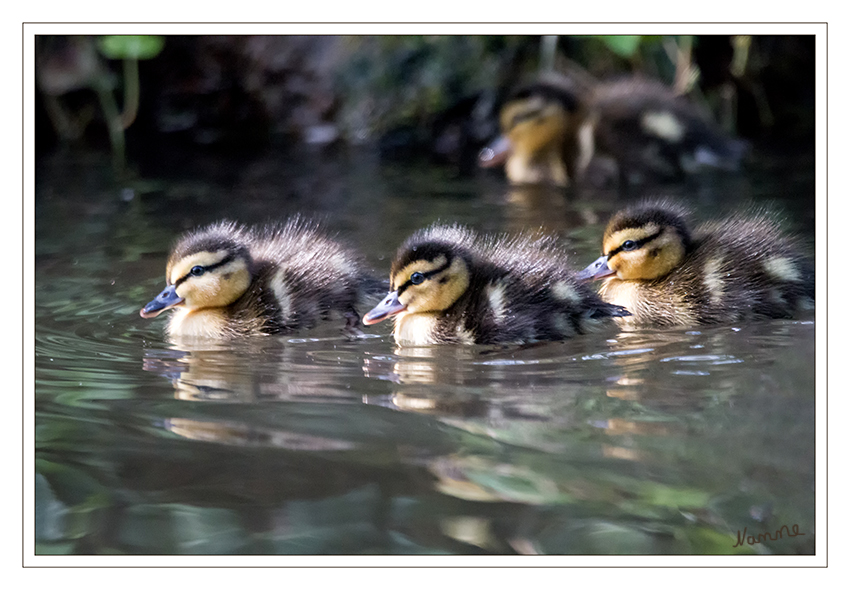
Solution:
(647, 442)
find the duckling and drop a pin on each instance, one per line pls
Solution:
(632, 130)
(742, 267)
(227, 280)
(450, 285)
(541, 140)
(653, 134)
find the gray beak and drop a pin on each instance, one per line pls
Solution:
(389, 306)
(595, 270)
(165, 300)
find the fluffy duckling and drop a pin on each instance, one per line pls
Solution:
(653, 134)
(634, 130)
(227, 280)
(450, 285)
(739, 268)
(541, 141)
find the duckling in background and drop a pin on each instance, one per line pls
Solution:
(450, 285)
(739, 268)
(653, 134)
(632, 131)
(229, 280)
(540, 125)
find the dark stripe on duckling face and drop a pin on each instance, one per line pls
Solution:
(630, 245)
(417, 278)
(650, 215)
(562, 96)
(199, 269)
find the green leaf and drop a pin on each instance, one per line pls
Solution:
(130, 46)
(622, 45)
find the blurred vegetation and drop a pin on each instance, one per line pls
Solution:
(404, 94)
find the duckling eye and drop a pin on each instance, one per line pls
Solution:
(197, 270)
(629, 245)
(417, 278)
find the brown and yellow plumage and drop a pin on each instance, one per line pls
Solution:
(632, 130)
(741, 267)
(449, 284)
(227, 279)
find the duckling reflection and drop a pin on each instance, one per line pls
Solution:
(245, 434)
(257, 370)
(412, 367)
(227, 280)
(505, 391)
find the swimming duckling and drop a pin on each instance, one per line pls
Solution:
(632, 130)
(450, 285)
(739, 268)
(227, 280)
(653, 134)
(540, 142)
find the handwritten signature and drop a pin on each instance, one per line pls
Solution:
(761, 537)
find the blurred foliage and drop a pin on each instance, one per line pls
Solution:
(130, 46)
(622, 45)
(439, 93)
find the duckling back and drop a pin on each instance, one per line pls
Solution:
(530, 292)
(653, 134)
(310, 275)
(752, 268)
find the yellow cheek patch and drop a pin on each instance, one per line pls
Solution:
(182, 267)
(216, 288)
(423, 266)
(635, 234)
(438, 292)
(653, 259)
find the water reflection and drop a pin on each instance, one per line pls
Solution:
(644, 441)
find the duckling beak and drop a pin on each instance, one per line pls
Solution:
(595, 270)
(389, 306)
(495, 154)
(165, 300)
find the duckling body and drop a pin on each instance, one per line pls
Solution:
(228, 280)
(635, 130)
(450, 285)
(739, 268)
(654, 134)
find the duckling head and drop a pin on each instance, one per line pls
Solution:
(427, 277)
(535, 122)
(646, 243)
(210, 269)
